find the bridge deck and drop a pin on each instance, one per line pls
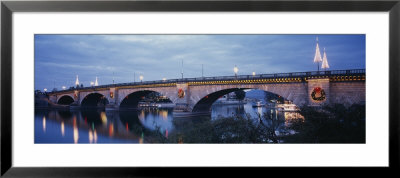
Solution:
(333, 75)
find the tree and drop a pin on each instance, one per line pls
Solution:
(272, 96)
(240, 94)
(38, 92)
(331, 124)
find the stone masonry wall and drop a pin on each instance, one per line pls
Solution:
(347, 93)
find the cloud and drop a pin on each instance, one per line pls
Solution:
(76, 66)
(158, 56)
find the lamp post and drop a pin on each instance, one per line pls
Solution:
(45, 90)
(182, 69)
(91, 84)
(235, 69)
(63, 87)
(254, 73)
(202, 71)
(113, 78)
(141, 78)
(164, 79)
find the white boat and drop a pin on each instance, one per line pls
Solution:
(287, 107)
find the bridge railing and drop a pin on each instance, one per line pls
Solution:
(238, 77)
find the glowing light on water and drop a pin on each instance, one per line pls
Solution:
(141, 138)
(141, 115)
(76, 131)
(90, 136)
(103, 118)
(111, 130)
(62, 129)
(95, 136)
(44, 124)
(259, 110)
(163, 114)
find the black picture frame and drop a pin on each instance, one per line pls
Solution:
(8, 7)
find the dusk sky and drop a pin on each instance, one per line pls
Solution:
(59, 58)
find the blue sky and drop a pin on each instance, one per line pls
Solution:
(59, 58)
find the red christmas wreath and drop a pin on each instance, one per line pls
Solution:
(181, 93)
(318, 94)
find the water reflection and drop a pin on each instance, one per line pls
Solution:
(94, 118)
(62, 128)
(103, 118)
(141, 139)
(44, 123)
(111, 130)
(76, 131)
(163, 114)
(91, 136)
(156, 119)
(99, 126)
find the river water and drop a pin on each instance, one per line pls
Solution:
(99, 126)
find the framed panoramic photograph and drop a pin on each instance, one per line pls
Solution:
(102, 88)
(204, 100)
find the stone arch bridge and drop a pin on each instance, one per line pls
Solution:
(196, 95)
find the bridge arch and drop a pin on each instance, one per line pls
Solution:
(204, 104)
(94, 100)
(132, 99)
(203, 101)
(65, 100)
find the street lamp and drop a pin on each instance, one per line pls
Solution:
(141, 78)
(63, 87)
(91, 84)
(254, 73)
(235, 69)
(164, 79)
(45, 90)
